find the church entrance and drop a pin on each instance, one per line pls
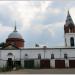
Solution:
(9, 63)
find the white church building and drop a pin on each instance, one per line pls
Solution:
(13, 52)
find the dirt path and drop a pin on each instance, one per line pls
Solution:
(42, 71)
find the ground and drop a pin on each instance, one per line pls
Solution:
(41, 71)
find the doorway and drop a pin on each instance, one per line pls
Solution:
(9, 63)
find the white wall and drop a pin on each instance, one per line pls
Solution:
(58, 53)
(69, 52)
(68, 36)
(4, 54)
(33, 54)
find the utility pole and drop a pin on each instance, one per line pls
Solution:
(44, 47)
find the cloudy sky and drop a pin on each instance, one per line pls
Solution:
(38, 22)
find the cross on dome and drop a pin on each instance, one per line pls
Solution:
(15, 28)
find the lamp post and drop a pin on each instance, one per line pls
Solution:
(44, 47)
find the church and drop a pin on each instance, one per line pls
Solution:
(13, 53)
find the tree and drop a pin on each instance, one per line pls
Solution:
(2, 44)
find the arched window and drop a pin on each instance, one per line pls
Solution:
(39, 56)
(72, 41)
(26, 56)
(52, 56)
(65, 56)
(10, 54)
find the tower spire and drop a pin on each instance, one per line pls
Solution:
(15, 28)
(68, 13)
(69, 19)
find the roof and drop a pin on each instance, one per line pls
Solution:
(9, 46)
(15, 34)
(39, 48)
(69, 19)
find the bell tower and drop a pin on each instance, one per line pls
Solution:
(69, 31)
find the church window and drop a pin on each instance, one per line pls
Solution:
(26, 56)
(39, 56)
(10, 54)
(72, 41)
(65, 56)
(52, 56)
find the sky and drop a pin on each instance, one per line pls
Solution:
(39, 22)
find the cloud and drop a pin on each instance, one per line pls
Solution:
(4, 32)
(51, 28)
(5, 29)
(46, 34)
(54, 11)
(25, 11)
(72, 13)
(37, 21)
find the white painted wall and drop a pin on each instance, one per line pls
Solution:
(4, 54)
(52, 63)
(67, 63)
(37, 63)
(70, 52)
(33, 54)
(68, 36)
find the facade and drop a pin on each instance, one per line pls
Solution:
(40, 57)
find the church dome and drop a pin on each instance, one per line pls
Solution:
(15, 38)
(15, 34)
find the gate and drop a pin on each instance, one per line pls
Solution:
(17, 64)
(45, 63)
(29, 64)
(59, 63)
(71, 63)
